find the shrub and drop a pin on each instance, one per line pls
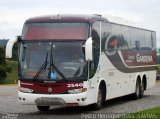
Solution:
(2, 55)
(3, 65)
(2, 73)
(8, 69)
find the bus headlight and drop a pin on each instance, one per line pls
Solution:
(25, 90)
(79, 90)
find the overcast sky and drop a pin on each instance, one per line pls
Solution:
(14, 12)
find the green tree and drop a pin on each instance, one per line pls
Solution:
(2, 55)
(2, 73)
(3, 65)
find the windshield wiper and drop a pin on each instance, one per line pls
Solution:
(42, 68)
(53, 67)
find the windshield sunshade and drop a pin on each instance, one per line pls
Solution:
(47, 31)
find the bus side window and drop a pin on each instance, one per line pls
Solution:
(137, 44)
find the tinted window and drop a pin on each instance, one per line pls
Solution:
(105, 33)
(141, 38)
(96, 48)
(153, 40)
(47, 31)
(133, 38)
(147, 43)
(125, 37)
(116, 29)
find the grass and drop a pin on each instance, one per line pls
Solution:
(13, 76)
(153, 113)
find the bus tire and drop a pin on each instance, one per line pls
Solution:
(100, 100)
(136, 95)
(43, 108)
(142, 89)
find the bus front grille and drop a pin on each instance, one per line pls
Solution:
(47, 101)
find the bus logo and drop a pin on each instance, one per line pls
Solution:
(49, 90)
(144, 58)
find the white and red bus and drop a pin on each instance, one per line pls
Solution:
(79, 60)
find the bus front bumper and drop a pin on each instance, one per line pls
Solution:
(79, 99)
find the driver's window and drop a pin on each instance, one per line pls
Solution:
(96, 48)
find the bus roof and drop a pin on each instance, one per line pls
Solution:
(67, 18)
(81, 18)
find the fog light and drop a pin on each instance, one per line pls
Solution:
(83, 99)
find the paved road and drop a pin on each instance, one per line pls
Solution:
(10, 107)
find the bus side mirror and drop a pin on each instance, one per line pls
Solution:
(88, 49)
(9, 47)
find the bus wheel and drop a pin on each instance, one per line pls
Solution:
(43, 108)
(99, 103)
(141, 90)
(136, 95)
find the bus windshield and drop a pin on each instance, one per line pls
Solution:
(53, 60)
(49, 31)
